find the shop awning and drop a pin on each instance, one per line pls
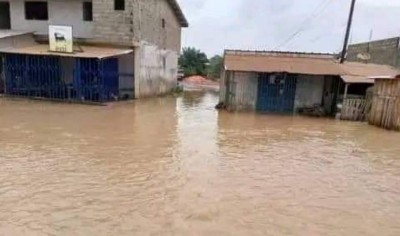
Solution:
(354, 79)
(361, 72)
(82, 52)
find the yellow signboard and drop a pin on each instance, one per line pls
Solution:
(61, 39)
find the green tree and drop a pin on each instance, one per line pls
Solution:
(193, 62)
(215, 66)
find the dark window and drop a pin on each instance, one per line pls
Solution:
(163, 23)
(5, 21)
(87, 11)
(119, 5)
(36, 11)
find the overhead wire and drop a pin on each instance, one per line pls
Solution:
(315, 14)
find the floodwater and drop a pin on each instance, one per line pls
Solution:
(175, 166)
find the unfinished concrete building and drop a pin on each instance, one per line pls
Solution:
(130, 46)
(384, 52)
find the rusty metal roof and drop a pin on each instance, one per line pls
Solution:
(361, 73)
(281, 53)
(87, 52)
(12, 33)
(304, 63)
(354, 79)
(178, 12)
(276, 62)
(384, 77)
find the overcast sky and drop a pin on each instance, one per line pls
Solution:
(269, 24)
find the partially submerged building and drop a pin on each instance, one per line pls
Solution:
(385, 111)
(123, 49)
(286, 82)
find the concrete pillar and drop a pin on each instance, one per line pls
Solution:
(137, 66)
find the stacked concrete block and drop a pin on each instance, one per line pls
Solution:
(385, 52)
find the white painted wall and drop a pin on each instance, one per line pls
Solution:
(61, 12)
(156, 70)
(309, 91)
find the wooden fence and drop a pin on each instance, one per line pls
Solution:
(355, 109)
(385, 110)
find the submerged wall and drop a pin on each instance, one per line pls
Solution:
(126, 64)
(385, 111)
(156, 70)
(242, 88)
(222, 86)
(15, 41)
(309, 91)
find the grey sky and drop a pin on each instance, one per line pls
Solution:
(266, 24)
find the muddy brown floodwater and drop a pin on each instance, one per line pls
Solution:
(175, 166)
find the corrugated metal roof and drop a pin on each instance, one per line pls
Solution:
(353, 79)
(368, 70)
(360, 72)
(12, 33)
(384, 77)
(87, 52)
(178, 12)
(282, 63)
(304, 63)
(281, 53)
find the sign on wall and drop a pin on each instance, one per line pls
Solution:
(60, 38)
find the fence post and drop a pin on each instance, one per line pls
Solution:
(346, 90)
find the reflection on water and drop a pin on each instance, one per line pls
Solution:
(175, 166)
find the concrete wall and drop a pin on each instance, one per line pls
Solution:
(309, 91)
(111, 26)
(140, 25)
(140, 21)
(60, 12)
(156, 70)
(126, 79)
(384, 52)
(148, 16)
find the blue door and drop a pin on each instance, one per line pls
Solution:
(96, 80)
(110, 74)
(86, 83)
(276, 93)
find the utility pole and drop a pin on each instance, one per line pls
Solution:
(348, 30)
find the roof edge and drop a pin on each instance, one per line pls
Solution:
(280, 53)
(373, 41)
(178, 13)
(384, 77)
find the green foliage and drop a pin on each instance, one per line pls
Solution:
(193, 62)
(215, 67)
